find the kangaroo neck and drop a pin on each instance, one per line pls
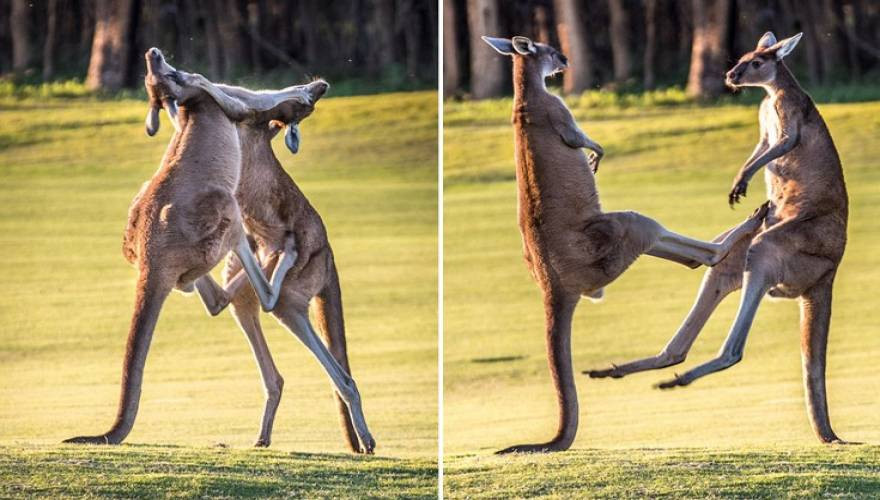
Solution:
(206, 148)
(551, 176)
(528, 82)
(784, 83)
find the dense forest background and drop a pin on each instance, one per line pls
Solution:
(369, 44)
(643, 44)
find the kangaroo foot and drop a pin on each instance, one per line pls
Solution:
(369, 446)
(842, 442)
(613, 372)
(533, 448)
(678, 381)
(102, 439)
(262, 443)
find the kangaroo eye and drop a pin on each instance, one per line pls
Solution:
(756, 64)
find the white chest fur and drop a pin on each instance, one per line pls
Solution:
(769, 119)
(771, 130)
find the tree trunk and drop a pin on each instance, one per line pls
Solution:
(572, 37)
(308, 10)
(542, 25)
(381, 33)
(811, 39)
(50, 42)
(230, 23)
(709, 48)
(619, 34)
(212, 38)
(833, 55)
(410, 22)
(487, 66)
(19, 24)
(451, 55)
(253, 23)
(108, 65)
(650, 43)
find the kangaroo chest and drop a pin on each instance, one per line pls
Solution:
(771, 129)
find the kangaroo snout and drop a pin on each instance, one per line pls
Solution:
(154, 56)
(156, 64)
(317, 89)
(733, 76)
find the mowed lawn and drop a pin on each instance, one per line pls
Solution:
(676, 165)
(68, 172)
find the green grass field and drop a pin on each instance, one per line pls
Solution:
(68, 171)
(742, 432)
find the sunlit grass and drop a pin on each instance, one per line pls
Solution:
(68, 172)
(675, 165)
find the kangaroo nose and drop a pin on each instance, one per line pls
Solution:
(319, 88)
(153, 55)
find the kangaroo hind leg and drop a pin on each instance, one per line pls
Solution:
(298, 323)
(328, 309)
(247, 314)
(718, 282)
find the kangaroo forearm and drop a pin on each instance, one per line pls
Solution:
(782, 147)
(592, 145)
(231, 106)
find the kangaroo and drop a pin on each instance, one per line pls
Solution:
(184, 220)
(282, 222)
(797, 251)
(571, 246)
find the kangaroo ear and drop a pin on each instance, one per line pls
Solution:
(152, 121)
(785, 47)
(170, 106)
(502, 45)
(291, 138)
(766, 41)
(523, 45)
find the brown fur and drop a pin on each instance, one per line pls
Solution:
(796, 252)
(181, 224)
(571, 246)
(274, 208)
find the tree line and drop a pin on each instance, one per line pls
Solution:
(641, 44)
(392, 42)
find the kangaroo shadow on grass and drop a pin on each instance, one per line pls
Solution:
(497, 359)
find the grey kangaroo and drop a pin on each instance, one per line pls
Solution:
(571, 246)
(283, 225)
(797, 251)
(184, 220)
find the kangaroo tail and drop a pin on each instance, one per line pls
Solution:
(332, 326)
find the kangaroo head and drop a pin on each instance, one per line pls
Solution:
(276, 109)
(296, 103)
(291, 111)
(166, 87)
(537, 56)
(758, 67)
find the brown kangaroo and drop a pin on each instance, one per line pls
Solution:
(796, 252)
(184, 220)
(571, 246)
(283, 225)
